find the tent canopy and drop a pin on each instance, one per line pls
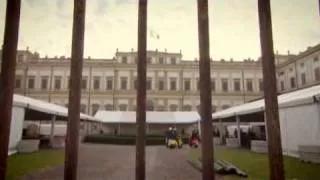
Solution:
(152, 117)
(295, 98)
(44, 110)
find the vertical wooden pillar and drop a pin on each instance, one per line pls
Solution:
(8, 68)
(72, 140)
(141, 91)
(270, 92)
(319, 7)
(205, 91)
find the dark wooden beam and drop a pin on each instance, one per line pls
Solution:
(270, 91)
(141, 91)
(8, 68)
(72, 140)
(205, 91)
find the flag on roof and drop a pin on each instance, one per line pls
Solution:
(153, 34)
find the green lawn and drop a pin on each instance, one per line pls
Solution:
(22, 164)
(256, 164)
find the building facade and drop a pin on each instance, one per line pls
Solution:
(110, 84)
(299, 71)
(172, 83)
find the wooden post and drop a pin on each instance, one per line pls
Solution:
(8, 68)
(205, 91)
(72, 140)
(270, 92)
(141, 91)
(53, 121)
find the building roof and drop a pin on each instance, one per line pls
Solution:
(295, 98)
(153, 117)
(310, 50)
(45, 107)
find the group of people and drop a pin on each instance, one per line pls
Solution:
(172, 133)
(194, 136)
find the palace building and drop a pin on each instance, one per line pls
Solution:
(172, 83)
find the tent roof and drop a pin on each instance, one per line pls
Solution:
(294, 98)
(45, 107)
(155, 117)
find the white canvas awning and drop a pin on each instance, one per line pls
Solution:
(152, 117)
(45, 107)
(295, 98)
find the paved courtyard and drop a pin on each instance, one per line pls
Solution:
(118, 163)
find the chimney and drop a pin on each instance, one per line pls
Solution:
(89, 57)
(157, 50)
(117, 50)
(288, 52)
(180, 51)
(131, 49)
(165, 50)
(27, 48)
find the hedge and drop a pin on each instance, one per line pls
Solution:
(126, 139)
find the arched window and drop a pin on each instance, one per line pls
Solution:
(160, 108)
(214, 108)
(198, 108)
(123, 107)
(83, 108)
(173, 107)
(150, 106)
(95, 108)
(187, 108)
(108, 107)
(225, 106)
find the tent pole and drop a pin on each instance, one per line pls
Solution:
(199, 126)
(72, 139)
(220, 130)
(238, 128)
(270, 91)
(8, 68)
(53, 121)
(265, 125)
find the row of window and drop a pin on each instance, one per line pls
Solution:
(161, 60)
(125, 107)
(303, 79)
(124, 83)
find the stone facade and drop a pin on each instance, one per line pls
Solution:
(171, 81)
(110, 83)
(299, 71)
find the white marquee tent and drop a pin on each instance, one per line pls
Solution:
(299, 113)
(152, 117)
(22, 105)
(295, 98)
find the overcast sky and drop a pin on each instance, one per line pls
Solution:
(46, 26)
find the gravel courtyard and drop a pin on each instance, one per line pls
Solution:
(118, 163)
